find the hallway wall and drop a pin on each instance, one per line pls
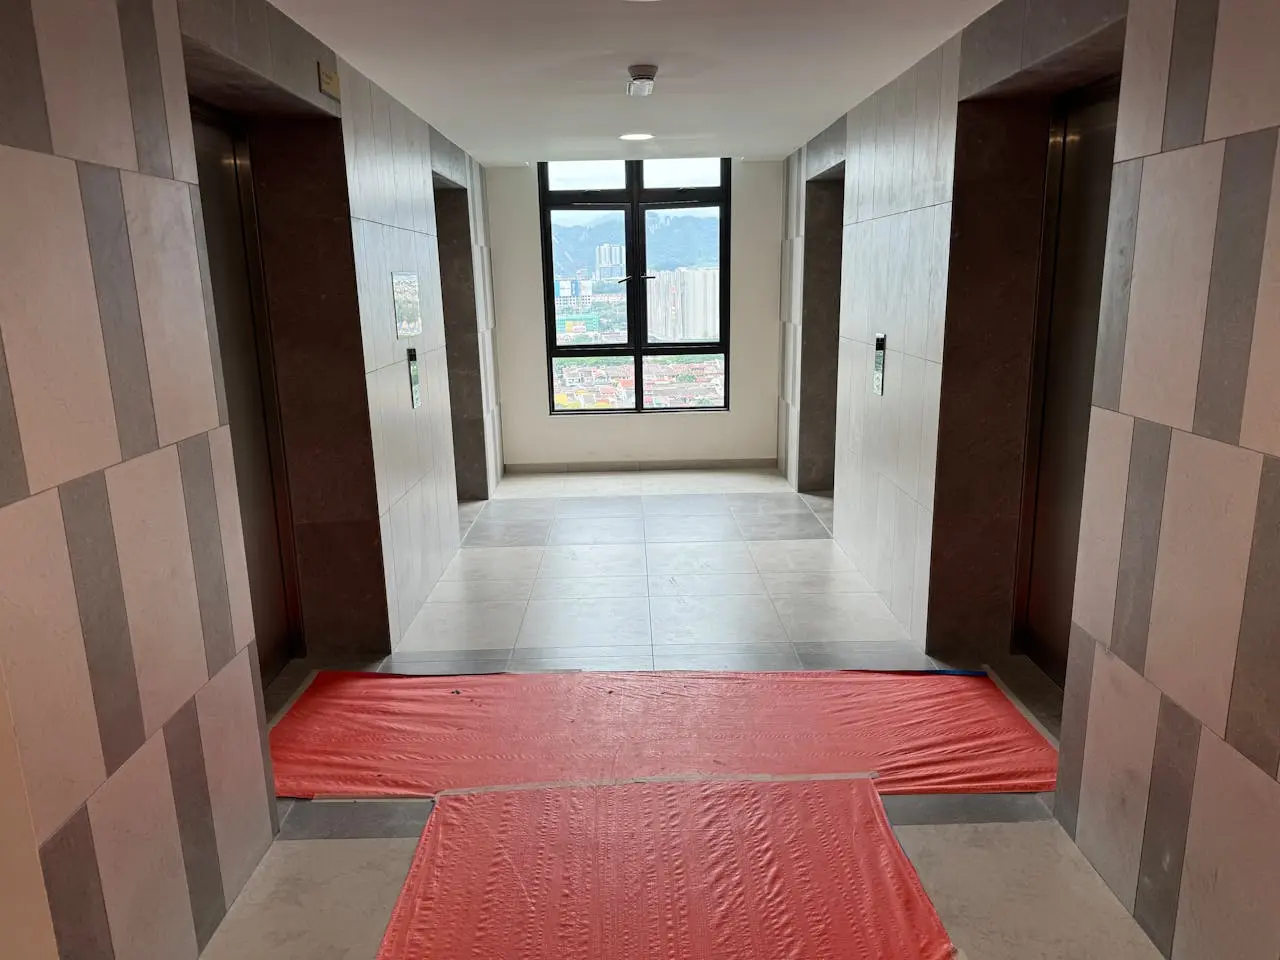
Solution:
(748, 431)
(897, 216)
(134, 799)
(393, 224)
(1171, 729)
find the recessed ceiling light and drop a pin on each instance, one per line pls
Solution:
(636, 136)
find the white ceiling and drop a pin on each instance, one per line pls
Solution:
(514, 81)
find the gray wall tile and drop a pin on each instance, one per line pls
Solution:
(206, 551)
(1140, 541)
(827, 149)
(447, 158)
(24, 120)
(1243, 203)
(95, 571)
(1075, 724)
(13, 468)
(1164, 841)
(294, 57)
(1195, 26)
(195, 821)
(991, 47)
(259, 700)
(117, 291)
(74, 885)
(1054, 25)
(1253, 721)
(1117, 280)
(146, 90)
(210, 315)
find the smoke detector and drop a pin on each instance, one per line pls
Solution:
(642, 78)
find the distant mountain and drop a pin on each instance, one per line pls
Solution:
(673, 241)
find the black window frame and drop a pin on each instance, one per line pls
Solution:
(635, 199)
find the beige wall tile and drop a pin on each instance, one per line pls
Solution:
(1205, 536)
(82, 63)
(228, 497)
(1232, 868)
(1144, 82)
(43, 656)
(162, 235)
(24, 907)
(1119, 745)
(1106, 478)
(173, 74)
(233, 761)
(144, 883)
(1260, 425)
(1177, 217)
(58, 371)
(1244, 93)
(156, 571)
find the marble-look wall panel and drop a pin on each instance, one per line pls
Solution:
(115, 572)
(393, 228)
(900, 148)
(1191, 357)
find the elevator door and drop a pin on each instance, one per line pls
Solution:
(235, 269)
(1078, 197)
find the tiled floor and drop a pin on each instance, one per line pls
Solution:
(706, 571)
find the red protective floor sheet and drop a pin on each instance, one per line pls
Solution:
(665, 871)
(374, 735)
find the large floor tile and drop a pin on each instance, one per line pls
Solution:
(743, 619)
(678, 558)
(507, 533)
(863, 655)
(689, 529)
(675, 658)
(316, 898)
(603, 507)
(588, 588)
(914, 810)
(685, 505)
(568, 623)
(1021, 891)
(472, 591)
(821, 581)
(766, 504)
(706, 585)
(846, 616)
(593, 560)
(781, 526)
(460, 663)
(525, 508)
(799, 556)
(590, 530)
(355, 819)
(494, 563)
(640, 660)
(464, 626)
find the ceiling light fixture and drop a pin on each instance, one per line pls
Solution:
(642, 79)
(636, 136)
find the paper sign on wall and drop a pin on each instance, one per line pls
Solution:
(404, 294)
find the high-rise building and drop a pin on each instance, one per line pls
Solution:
(684, 305)
(611, 261)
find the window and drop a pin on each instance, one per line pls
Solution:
(635, 261)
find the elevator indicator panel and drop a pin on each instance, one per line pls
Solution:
(877, 375)
(415, 387)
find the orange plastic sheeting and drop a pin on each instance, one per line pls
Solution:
(665, 871)
(374, 735)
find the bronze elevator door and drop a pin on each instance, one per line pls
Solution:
(1078, 194)
(226, 195)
